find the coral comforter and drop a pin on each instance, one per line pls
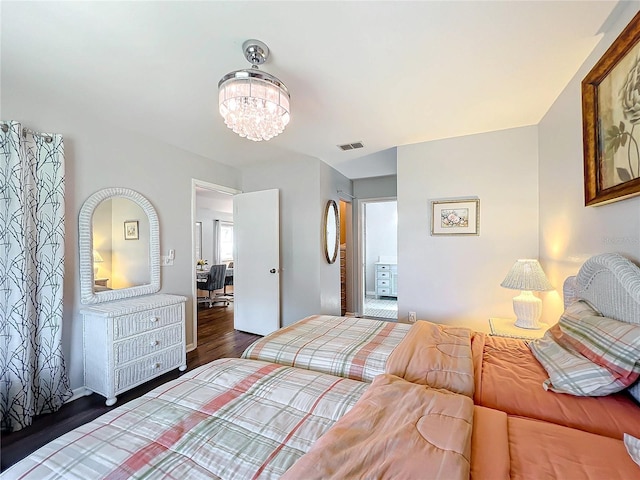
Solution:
(432, 426)
(509, 378)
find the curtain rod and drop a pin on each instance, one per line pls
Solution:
(345, 193)
(48, 138)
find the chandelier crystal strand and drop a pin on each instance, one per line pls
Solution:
(254, 104)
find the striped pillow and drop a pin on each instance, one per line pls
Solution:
(572, 373)
(609, 343)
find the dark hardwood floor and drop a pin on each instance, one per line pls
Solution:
(216, 339)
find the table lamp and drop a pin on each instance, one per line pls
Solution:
(527, 275)
(97, 258)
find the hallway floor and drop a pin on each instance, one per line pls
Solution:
(385, 307)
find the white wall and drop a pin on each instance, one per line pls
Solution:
(381, 237)
(330, 182)
(457, 279)
(100, 155)
(375, 187)
(308, 284)
(570, 232)
(376, 164)
(102, 230)
(130, 258)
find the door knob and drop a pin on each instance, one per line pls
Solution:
(273, 270)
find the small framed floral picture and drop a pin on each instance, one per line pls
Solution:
(131, 230)
(610, 115)
(455, 217)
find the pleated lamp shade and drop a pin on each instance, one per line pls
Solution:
(527, 275)
(97, 258)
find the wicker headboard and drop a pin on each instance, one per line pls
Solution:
(610, 283)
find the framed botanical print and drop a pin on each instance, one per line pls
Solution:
(611, 121)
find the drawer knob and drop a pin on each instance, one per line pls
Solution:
(154, 343)
(156, 365)
(154, 319)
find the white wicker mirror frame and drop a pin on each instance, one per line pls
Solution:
(85, 231)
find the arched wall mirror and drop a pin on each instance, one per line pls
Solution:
(119, 246)
(331, 231)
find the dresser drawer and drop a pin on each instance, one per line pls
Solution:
(147, 343)
(384, 283)
(383, 267)
(148, 367)
(134, 323)
(384, 274)
(383, 291)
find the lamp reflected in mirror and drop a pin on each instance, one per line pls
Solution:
(97, 258)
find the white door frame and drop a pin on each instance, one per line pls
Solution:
(360, 254)
(194, 294)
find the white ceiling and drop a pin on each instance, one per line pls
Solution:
(384, 73)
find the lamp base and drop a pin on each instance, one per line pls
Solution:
(528, 310)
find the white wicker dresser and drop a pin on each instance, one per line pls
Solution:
(129, 342)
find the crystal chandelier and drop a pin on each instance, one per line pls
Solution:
(253, 103)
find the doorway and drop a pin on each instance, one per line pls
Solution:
(212, 233)
(379, 247)
(346, 258)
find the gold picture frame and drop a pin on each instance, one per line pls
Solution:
(610, 115)
(455, 217)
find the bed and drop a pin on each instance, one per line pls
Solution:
(524, 448)
(360, 349)
(344, 346)
(247, 418)
(231, 418)
(237, 418)
(507, 375)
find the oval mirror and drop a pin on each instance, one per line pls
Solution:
(331, 231)
(119, 246)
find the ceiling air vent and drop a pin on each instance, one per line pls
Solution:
(350, 146)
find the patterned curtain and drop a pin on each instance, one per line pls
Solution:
(33, 378)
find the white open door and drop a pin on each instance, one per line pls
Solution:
(256, 271)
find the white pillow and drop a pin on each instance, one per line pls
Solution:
(633, 447)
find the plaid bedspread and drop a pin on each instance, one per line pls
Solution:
(355, 348)
(232, 418)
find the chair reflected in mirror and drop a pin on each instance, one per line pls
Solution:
(215, 281)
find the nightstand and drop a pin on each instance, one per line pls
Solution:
(505, 327)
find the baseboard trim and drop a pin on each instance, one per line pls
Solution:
(79, 393)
